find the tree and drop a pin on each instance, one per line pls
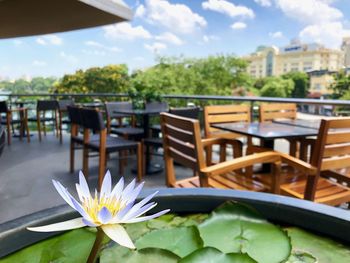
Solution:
(341, 87)
(277, 87)
(301, 83)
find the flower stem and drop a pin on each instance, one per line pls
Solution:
(96, 247)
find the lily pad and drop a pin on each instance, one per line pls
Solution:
(324, 250)
(62, 248)
(212, 255)
(236, 228)
(137, 230)
(301, 257)
(181, 241)
(146, 255)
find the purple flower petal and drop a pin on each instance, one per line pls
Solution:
(134, 193)
(145, 218)
(122, 212)
(63, 192)
(80, 209)
(104, 216)
(83, 185)
(106, 185)
(128, 189)
(118, 188)
(142, 202)
(88, 223)
(141, 211)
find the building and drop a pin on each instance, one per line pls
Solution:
(345, 47)
(273, 61)
(320, 83)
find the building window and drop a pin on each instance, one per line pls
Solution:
(269, 64)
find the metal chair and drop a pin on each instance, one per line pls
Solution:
(92, 120)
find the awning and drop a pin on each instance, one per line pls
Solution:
(35, 17)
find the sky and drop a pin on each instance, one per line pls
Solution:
(192, 28)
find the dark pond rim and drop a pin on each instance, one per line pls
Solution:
(320, 219)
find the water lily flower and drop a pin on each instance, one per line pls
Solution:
(108, 209)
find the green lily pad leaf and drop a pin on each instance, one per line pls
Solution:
(181, 241)
(236, 228)
(301, 257)
(170, 221)
(137, 230)
(213, 255)
(146, 255)
(321, 248)
(62, 248)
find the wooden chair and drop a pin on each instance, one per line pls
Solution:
(62, 115)
(182, 143)
(92, 120)
(330, 156)
(273, 111)
(224, 114)
(9, 121)
(42, 107)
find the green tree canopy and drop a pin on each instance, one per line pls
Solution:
(301, 83)
(341, 86)
(277, 87)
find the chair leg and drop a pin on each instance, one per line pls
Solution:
(44, 123)
(209, 154)
(140, 163)
(71, 157)
(25, 121)
(38, 124)
(56, 125)
(60, 126)
(8, 124)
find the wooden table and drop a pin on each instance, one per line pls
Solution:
(145, 113)
(268, 132)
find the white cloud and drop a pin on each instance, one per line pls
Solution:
(208, 38)
(140, 11)
(277, 34)
(170, 38)
(263, 2)
(101, 46)
(125, 31)
(238, 25)
(176, 17)
(39, 63)
(156, 47)
(49, 39)
(329, 34)
(310, 11)
(228, 8)
(69, 58)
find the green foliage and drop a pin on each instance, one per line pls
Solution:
(231, 233)
(301, 83)
(277, 87)
(215, 75)
(108, 79)
(341, 87)
(36, 85)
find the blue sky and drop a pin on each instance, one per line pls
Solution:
(194, 28)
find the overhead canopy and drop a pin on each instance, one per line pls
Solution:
(34, 17)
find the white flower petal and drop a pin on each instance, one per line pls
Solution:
(128, 189)
(118, 234)
(88, 223)
(104, 216)
(84, 186)
(133, 195)
(63, 192)
(142, 202)
(66, 225)
(106, 185)
(118, 189)
(80, 193)
(139, 212)
(145, 218)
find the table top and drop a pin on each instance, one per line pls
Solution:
(139, 111)
(312, 124)
(267, 130)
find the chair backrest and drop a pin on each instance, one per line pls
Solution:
(63, 104)
(191, 112)
(182, 143)
(92, 119)
(272, 111)
(224, 114)
(156, 105)
(46, 105)
(74, 115)
(114, 106)
(3, 107)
